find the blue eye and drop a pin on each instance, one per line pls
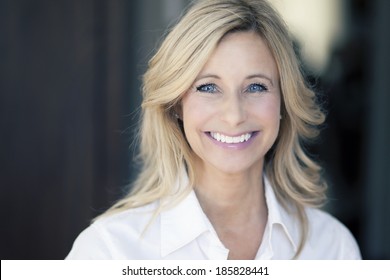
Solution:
(210, 88)
(257, 88)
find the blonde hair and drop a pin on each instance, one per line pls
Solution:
(164, 150)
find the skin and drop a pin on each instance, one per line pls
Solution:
(237, 92)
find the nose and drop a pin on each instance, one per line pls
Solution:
(233, 110)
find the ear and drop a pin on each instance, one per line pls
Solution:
(177, 111)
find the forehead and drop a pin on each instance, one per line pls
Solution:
(240, 53)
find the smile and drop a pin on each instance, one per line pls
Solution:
(231, 139)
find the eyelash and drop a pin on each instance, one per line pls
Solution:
(202, 87)
(261, 86)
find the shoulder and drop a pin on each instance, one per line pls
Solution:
(328, 238)
(118, 236)
(135, 219)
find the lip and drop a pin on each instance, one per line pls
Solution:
(233, 146)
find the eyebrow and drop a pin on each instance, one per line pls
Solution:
(263, 76)
(207, 76)
(259, 75)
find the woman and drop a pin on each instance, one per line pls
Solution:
(224, 174)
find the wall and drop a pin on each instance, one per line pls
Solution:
(70, 74)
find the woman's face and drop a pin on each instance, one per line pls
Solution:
(231, 114)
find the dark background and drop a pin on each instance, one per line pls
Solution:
(69, 100)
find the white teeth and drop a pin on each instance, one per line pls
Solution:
(228, 139)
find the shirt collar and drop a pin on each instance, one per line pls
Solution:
(278, 215)
(182, 224)
(186, 221)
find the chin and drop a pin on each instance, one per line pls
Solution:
(237, 168)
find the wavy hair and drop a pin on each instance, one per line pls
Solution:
(164, 151)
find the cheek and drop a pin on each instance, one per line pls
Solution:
(268, 110)
(195, 111)
(191, 113)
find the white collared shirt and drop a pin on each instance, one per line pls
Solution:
(184, 232)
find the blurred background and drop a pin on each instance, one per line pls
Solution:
(70, 74)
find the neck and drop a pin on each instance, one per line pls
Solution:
(231, 199)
